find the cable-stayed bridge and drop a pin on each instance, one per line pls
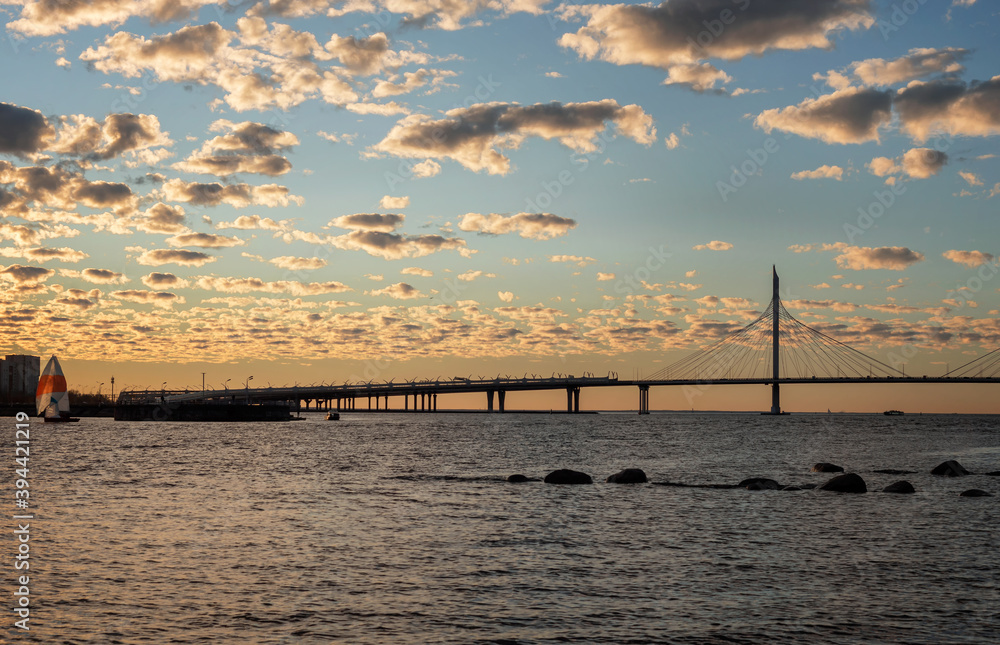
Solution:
(775, 349)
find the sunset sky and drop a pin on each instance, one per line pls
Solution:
(307, 191)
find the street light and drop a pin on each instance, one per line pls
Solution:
(246, 386)
(226, 384)
(99, 392)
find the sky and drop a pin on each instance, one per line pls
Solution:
(311, 191)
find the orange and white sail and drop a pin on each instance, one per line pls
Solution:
(52, 388)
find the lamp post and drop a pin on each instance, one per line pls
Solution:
(246, 386)
(99, 386)
(112, 390)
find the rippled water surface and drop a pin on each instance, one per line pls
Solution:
(394, 528)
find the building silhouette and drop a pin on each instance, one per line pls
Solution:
(19, 379)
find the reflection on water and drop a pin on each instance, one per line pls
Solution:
(400, 529)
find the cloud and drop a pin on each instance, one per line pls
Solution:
(394, 203)
(83, 136)
(236, 195)
(970, 178)
(969, 258)
(819, 304)
(678, 33)
(427, 168)
(893, 258)
(393, 246)
(604, 277)
(161, 218)
(849, 115)
(298, 264)
(45, 18)
(246, 147)
(823, 172)
(25, 275)
(700, 77)
(255, 222)
(412, 81)
(247, 285)
(505, 296)
(163, 299)
(917, 63)
(96, 276)
(535, 226)
(714, 245)
(61, 189)
(472, 136)
(417, 271)
(950, 106)
(183, 257)
(369, 222)
(916, 163)
(279, 77)
(382, 109)
(42, 254)
(399, 291)
(23, 131)
(578, 260)
(157, 280)
(672, 141)
(204, 240)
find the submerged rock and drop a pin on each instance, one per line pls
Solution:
(975, 492)
(849, 483)
(893, 471)
(903, 487)
(565, 476)
(950, 468)
(518, 479)
(759, 483)
(824, 467)
(792, 488)
(628, 476)
(995, 473)
(682, 485)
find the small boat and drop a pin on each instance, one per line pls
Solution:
(893, 413)
(333, 416)
(51, 398)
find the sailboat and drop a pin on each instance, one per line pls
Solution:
(51, 398)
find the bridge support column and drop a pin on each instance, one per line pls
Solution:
(572, 399)
(435, 401)
(576, 399)
(643, 399)
(775, 398)
(386, 401)
(406, 402)
(489, 400)
(501, 395)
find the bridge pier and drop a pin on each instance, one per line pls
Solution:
(435, 401)
(572, 399)
(643, 399)
(501, 395)
(489, 400)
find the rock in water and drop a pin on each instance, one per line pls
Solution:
(849, 483)
(975, 492)
(628, 476)
(824, 467)
(564, 476)
(903, 487)
(759, 483)
(950, 468)
(517, 479)
(995, 473)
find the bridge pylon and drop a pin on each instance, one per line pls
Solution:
(775, 347)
